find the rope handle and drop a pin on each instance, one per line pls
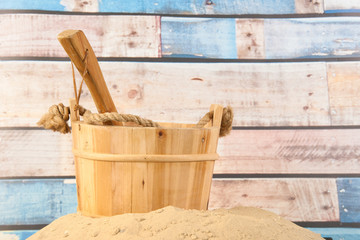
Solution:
(58, 115)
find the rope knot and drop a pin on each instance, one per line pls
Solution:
(56, 119)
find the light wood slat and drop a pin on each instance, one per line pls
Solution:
(80, 5)
(40, 201)
(250, 38)
(335, 151)
(184, 7)
(338, 233)
(309, 6)
(344, 88)
(349, 195)
(341, 6)
(110, 36)
(35, 153)
(17, 234)
(262, 94)
(295, 199)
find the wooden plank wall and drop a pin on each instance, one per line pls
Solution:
(290, 69)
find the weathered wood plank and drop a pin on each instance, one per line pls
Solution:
(35, 153)
(344, 98)
(323, 151)
(110, 36)
(36, 201)
(262, 94)
(214, 38)
(172, 7)
(296, 199)
(331, 6)
(349, 195)
(184, 37)
(16, 235)
(198, 37)
(40, 201)
(250, 38)
(320, 37)
(242, 152)
(229, 7)
(48, 5)
(309, 6)
(41, 153)
(338, 233)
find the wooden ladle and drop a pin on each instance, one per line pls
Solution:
(76, 45)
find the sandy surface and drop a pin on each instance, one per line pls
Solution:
(174, 223)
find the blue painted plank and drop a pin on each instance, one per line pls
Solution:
(167, 6)
(343, 11)
(36, 201)
(312, 37)
(349, 199)
(198, 37)
(200, 6)
(48, 5)
(338, 233)
(305, 37)
(17, 235)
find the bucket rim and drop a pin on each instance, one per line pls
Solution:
(164, 126)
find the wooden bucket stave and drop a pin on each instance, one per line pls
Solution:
(136, 169)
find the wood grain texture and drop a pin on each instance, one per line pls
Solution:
(250, 38)
(198, 37)
(111, 36)
(182, 37)
(217, 37)
(262, 94)
(338, 233)
(201, 7)
(16, 235)
(36, 201)
(81, 5)
(40, 201)
(344, 88)
(309, 6)
(214, 38)
(35, 153)
(242, 152)
(290, 151)
(81, 54)
(341, 6)
(295, 199)
(143, 185)
(320, 37)
(48, 5)
(185, 7)
(349, 195)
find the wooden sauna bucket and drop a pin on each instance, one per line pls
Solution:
(137, 169)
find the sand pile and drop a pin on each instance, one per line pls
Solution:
(173, 223)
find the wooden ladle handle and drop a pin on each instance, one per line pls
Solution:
(76, 44)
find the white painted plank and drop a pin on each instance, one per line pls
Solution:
(262, 94)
